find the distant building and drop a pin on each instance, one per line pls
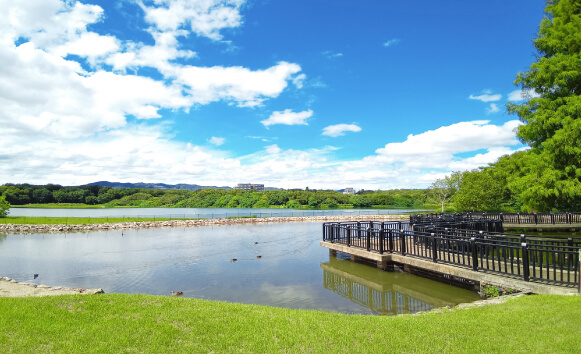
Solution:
(349, 191)
(250, 187)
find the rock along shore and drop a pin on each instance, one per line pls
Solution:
(46, 228)
(12, 288)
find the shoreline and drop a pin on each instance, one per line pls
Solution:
(61, 228)
(12, 288)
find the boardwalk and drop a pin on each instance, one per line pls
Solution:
(471, 254)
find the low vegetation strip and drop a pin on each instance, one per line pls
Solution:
(144, 323)
(32, 227)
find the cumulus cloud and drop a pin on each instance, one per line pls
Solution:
(246, 87)
(288, 117)
(493, 108)
(486, 97)
(205, 18)
(340, 129)
(216, 141)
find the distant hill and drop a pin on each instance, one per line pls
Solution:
(189, 187)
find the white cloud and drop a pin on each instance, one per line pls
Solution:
(273, 149)
(486, 97)
(217, 141)
(245, 87)
(205, 18)
(138, 152)
(391, 42)
(340, 129)
(521, 95)
(493, 108)
(288, 117)
(332, 55)
(299, 80)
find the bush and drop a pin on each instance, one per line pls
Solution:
(4, 207)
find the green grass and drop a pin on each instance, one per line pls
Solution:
(141, 323)
(60, 206)
(39, 220)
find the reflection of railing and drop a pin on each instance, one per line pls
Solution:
(383, 302)
(532, 258)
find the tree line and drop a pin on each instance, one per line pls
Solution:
(23, 194)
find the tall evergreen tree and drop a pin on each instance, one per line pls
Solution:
(552, 113)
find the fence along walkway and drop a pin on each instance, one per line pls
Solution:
(507, 218)
(461, 244)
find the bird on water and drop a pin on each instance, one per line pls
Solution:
(177, 293)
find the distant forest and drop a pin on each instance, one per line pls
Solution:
(24, 194)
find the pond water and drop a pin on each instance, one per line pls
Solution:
(206, 213)
(294, 271)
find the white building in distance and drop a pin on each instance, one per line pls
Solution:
(250, 187)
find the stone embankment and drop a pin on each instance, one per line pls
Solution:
(12, 288)
(46, 228)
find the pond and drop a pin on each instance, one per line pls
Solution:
(194, 213)
(293, 270)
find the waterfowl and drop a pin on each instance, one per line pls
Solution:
(255, 242)
(258, 257)
(177, 293)
(233, 260)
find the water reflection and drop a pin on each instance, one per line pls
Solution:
(387, 293)
(197, 261)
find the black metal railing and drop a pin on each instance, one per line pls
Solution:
(508, 218)
(529, 257)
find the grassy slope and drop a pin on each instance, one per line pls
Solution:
(40, 220)
(141, 323)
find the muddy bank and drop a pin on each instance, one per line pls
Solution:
(45, 228)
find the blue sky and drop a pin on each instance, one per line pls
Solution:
(317, 93)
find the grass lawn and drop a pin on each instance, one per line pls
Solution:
(142, 323)
(60, 206)
(39, 220)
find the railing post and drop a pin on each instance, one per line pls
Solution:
(402, 239)
(434, 248)
(381, 237)
(518, 218)
(358, 230)
(536, 219)
(525, 261)
(552, 218)
(474, 254)
(349, 235)
(570, 256)
(368, 239)
(390, 240)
